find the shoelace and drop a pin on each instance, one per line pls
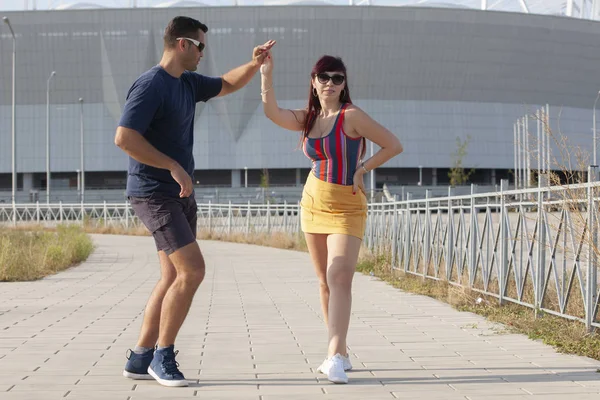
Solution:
(170, 366)
(337, 362)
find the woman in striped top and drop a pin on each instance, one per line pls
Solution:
(334, 203)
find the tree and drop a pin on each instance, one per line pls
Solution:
(264, 178)
(264, 184)
(458, 175)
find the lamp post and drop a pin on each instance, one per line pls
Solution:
(14, 115)
(594, 128)
(78, 182)
(515, 145)
(245, 177)
(548, 161)
(82, 167)
(48, 137)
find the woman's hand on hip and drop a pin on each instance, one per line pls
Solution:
(358, 182)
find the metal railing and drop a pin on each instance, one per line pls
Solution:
(220, 217)
(535, 247)
(223, 195)
(253, 194)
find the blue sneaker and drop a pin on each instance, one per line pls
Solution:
(137, 365)
(165, 369)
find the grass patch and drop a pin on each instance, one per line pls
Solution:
(116, 230)
(278, 240)
(29, 254)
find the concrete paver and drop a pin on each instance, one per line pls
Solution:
(255, 331)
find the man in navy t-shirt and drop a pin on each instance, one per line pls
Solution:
(156, 130)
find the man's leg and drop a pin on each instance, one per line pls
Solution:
(182, 270)
(189, 264)
(178, 238)
(140, 357)
(150, 325)
(190, 270)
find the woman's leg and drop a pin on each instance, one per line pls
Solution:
(317, 248)
(342, 256)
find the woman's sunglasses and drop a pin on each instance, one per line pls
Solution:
(337, 79)
(197, 43)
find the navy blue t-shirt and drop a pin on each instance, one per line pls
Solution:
(161, 108)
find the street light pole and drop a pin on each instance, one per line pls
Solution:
(515, 145)
(519, 154)
(82, 153)
(548, 161)
(14, 116)
(245, 177)
(78, 182)
(594, 128)
(527, 150)
(48, 137)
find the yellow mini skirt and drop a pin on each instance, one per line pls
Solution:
(329, 208)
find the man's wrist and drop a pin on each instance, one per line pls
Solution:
(172, 165)
(254, 63)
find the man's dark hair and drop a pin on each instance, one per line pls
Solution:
(182, 27)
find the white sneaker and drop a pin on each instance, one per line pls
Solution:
(347, 363)
(324, 367)
(336, 373)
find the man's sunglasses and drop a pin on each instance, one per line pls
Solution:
(197, 43)
(337, 79)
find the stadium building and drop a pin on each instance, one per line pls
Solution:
(429, 72)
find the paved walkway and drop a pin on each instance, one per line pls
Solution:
(255, 332)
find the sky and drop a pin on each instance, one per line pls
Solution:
(535, 6)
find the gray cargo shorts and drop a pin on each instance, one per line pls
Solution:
(171, 220)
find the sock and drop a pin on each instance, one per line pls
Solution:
(141, 350)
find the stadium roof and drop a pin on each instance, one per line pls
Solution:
(588, 9)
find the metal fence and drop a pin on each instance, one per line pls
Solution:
(220, 218)
(535, 247)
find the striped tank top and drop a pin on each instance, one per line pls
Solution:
(335, 156)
